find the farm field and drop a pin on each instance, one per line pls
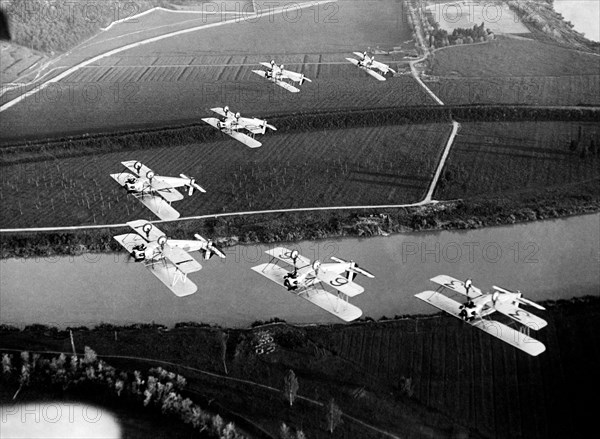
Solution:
(370, 165)
(516, 71)
(179, 78)
(477, 380)
(494, 158)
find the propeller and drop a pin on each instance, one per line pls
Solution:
(316, 265)
(354, 267)
(192, 184)
(147, 228)
(519, 298)
(211, 249)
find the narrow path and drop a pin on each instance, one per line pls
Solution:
(213, 375)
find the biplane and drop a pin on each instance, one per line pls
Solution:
(156, 192)
(167, 259)
(369, 65)
(278, 75)
(478, 306)
(232, 123)
(305, 280)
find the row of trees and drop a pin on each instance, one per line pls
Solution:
(158, 388)
(59, 25)
(438, 37)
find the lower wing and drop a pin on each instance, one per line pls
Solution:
(520, 315)
(340, 283)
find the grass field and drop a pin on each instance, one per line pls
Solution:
(516, 71)
(371, 165)
(496, 158)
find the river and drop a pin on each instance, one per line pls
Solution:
(545, 259)
(584, 14)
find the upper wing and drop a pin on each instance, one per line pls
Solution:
(240, 137)
(154, 200)
(521, 316)
(146, 230)
(373, 73)
(219, 111)
(160, 182)
(295, 76)
(267, 65)
(129, 240)
(285, 255)
(142, 169)
(260, 73)
(383, 67)
(360, 55)
(506, 334)
(456, 285)
(182, 259)
(340, 283)
(212, 121)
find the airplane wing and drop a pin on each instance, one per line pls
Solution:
(285, 255)
(152, 200)
(266, 64)
(240, 137)
(181, 259)
(520, 315)
(340, 283)
(456, 285)
(142, 171)
(294, 76)
(374, 74)
(321, 298)
(151, 232)
(369, 71)
(220, 111)
(496, 329)
(383, 67)
(129, 240)
(288, 87)
(283, 84)
(245, 139)
(359, 54)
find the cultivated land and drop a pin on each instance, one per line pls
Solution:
(355, 166)
(179, 78)
(515, 71)
(493, 158)
(462, 382)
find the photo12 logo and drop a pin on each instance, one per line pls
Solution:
(471, 252)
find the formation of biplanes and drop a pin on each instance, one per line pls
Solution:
(328, 285)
